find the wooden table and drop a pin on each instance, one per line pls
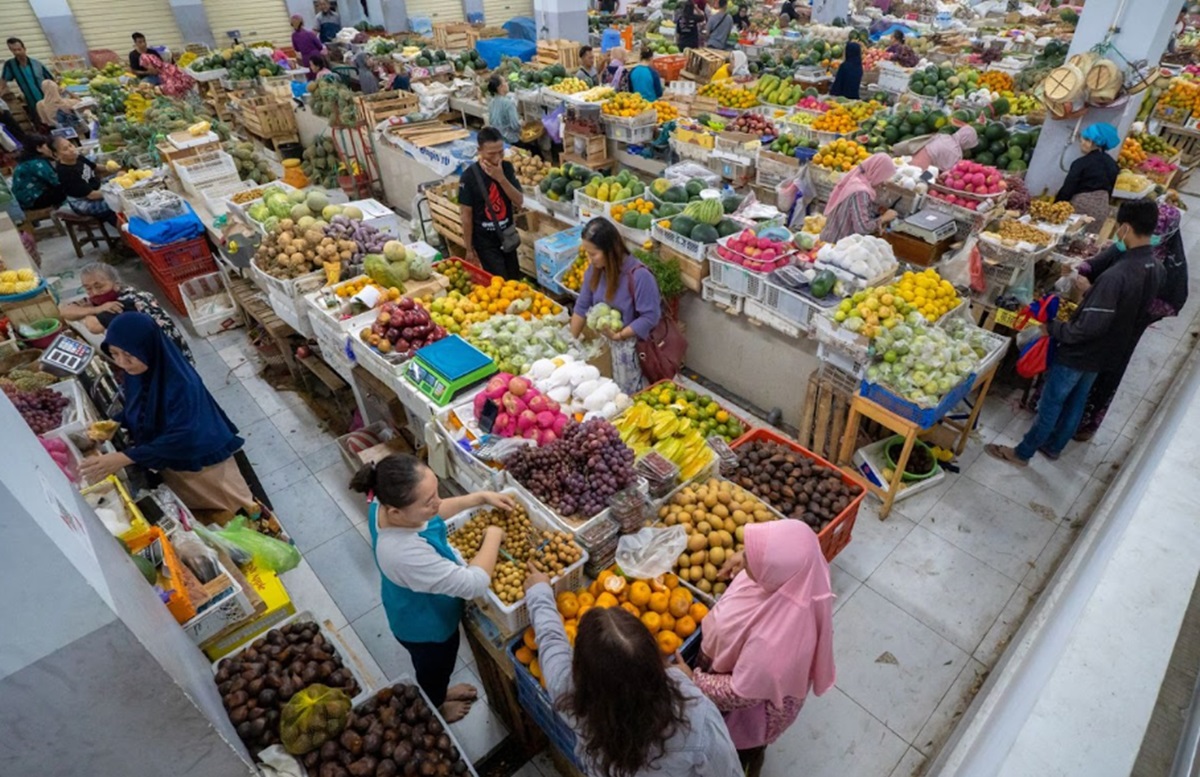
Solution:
(861, 407)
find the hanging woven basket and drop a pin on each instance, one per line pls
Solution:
(1103, 82)
(1064, 84)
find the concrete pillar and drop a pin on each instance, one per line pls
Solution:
(97, 677)
(395, 15)
(561, 19)
(192, 21)
(305, 9)
(1143, 29)
(825, 11)
(62, 31)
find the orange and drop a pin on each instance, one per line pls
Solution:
(629, 608)
(680, 601)
(583, 608)
(568, 605)
(685, 627)
(535, 668)
(639, 593)
(671, 581)
(604, 576)
(659, 601)
(614, 584)
(571, 633)
(585, 599)
(529, 639)
(668, 642)
(606, 600)
(697, 611)
(652, 622)
(668, 621)
(524, 655)
(595, 588)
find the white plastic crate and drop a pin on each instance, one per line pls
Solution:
(464, 462)
(390, 370)
(208, 304)
(154, 205)
(692, 249)
(510, 619)
(691, 151)
(792, 307)
(719, 295)
(997, 348)
(737, 279)
(637, 129)
(207, 75)
(239, 209)
(200, 172)
(333, 349)
(233, 608)
(590, 207)
(760, 313)
(216, 197)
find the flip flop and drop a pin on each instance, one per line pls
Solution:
(1005, 454)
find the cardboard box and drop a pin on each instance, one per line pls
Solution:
(277, 607)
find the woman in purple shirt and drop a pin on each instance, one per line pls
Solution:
(625, 284)
(306, 42)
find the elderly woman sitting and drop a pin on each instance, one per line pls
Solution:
(108, 297)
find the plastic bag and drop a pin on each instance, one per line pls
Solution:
(312, 717)
(267, 552)
(197, 556)
(217, 542)
(651, 552)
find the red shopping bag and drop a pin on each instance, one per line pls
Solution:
(1037, 355)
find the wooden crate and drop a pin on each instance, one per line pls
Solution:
(826, 409)
(589, 150)
(692, 272)
(702, 64)
(172, 155)
(268, 117)
(476, 34)
(36, 308)
(1184, 139)
(447, 218)
(64, 62)
(451, 35)
(382, 106)
(558, 52)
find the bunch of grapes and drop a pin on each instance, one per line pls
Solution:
(579, 472)
(42, 409)
(1018, 194)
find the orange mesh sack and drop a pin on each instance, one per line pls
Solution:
(313, 717)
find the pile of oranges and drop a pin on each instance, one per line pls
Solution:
(996, 81)
(837, 120)
(626, 104)
(639, 205)
(350, 288)
(666, 111)
(1132, 154)
(496, 297)
(841, 156)
(729, 96)
(667, 609)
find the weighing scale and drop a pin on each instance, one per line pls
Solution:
(929, 225)
(67, 356)
(446, 367)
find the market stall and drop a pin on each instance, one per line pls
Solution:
(877, 342)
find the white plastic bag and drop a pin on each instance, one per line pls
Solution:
(651, 552)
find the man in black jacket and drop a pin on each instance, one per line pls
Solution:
(1100, 334)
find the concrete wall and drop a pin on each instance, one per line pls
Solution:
(192, 21)
(561, 19)
(58, 22)
(96, 676)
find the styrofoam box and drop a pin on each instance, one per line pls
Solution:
(208, 304)
(383, 218)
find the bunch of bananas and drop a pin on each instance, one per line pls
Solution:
(675, 437)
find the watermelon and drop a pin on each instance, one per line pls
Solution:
(695, 186)
(704, 233)
(985, 158)
(683, 225)
(822, 284)
(995, 131)
(726, 227)
(675, 194)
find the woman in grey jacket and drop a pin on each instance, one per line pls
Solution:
(634, 716)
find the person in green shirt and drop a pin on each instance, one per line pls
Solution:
(27, 73)
(35, 181)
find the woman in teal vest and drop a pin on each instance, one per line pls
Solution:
(424, 583)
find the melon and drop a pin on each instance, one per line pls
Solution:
(352, 212)
(316, 201)
(329, 211)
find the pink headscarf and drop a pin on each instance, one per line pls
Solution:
(874, 170)
(945, 151)
(774, 632)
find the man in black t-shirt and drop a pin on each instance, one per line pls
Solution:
(145, 72)
(489, 195)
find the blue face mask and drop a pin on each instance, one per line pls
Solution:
(1155, 240)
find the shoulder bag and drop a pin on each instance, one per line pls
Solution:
(661, 354)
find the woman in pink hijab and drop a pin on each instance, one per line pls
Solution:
(945, 151)
(851, 209)
(769, 640)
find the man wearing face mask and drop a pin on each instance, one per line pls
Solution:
(1100, 335)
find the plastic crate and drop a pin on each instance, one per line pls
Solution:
(749, 263)
(847, 350)
(692, 249)
(837, 533)
(554, 252)
(512, 618)
(137, 523)
(228, 609)
(793, 307)
(177, 600)
(200, 172)
(389, 369)
(564, 208)
(759, 313)
(562, 274)
(634, 129)
(924, 417)
(590, 207)
(154, 205)
(997, 349)
(636, 236)
(692, 151)
(719, 295)
(479, 276)
(466, 463)
(678, 388)
(172, 264)
(218, 313)
(216, 197)
(737, 279)
(446, 728)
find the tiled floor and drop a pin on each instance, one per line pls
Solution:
(927, 599)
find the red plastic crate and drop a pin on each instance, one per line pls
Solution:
(669, 66)
(836, 534)
(478, 275)
(176, 263)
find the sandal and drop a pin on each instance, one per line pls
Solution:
(1005, 454)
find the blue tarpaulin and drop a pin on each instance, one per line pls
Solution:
(173, 230)
(493, 49)
(521, 28)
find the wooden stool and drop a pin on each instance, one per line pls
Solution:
(34, 217)
(88, 225)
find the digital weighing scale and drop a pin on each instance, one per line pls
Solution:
(446, 367)
(67, 356)
(929, 225)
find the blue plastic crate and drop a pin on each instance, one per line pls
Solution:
(924, 417)
(805, 154)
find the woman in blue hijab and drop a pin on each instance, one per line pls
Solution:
(1091, 177)
(849, 74)
(176, 426)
